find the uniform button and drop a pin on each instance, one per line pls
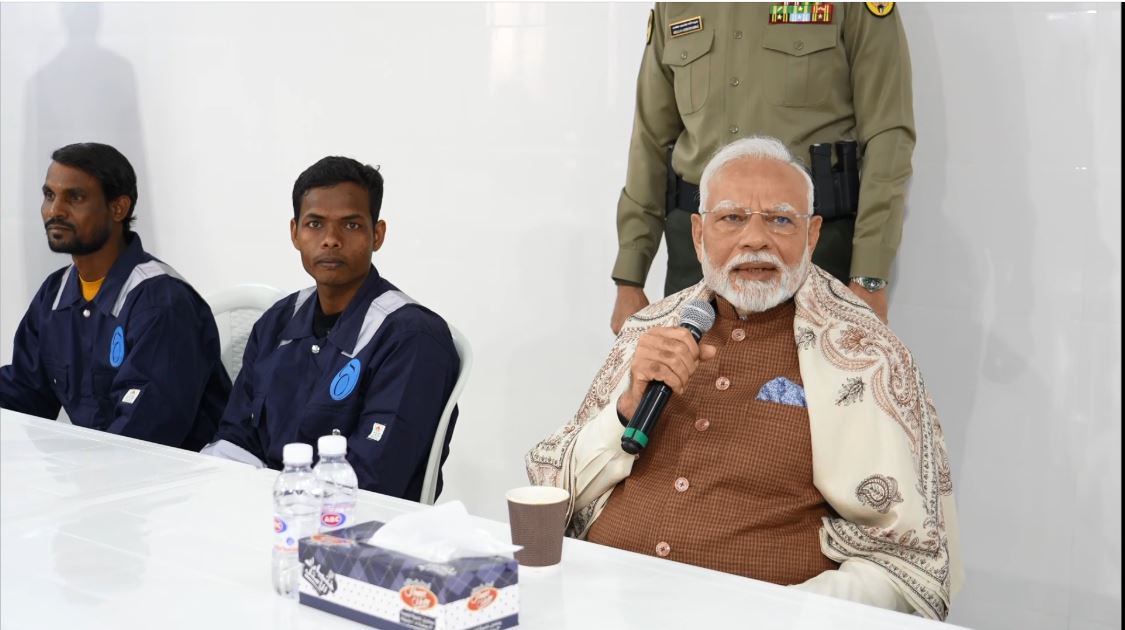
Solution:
(663, 549)
(683, 55)
(682, 484)
(85, 312)
(738, 334)
(798, 45)
(702, 424)
(722, 383)
(733, 129)
(738, 34)
(734, 81)
(315, 349)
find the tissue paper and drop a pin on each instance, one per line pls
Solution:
(439, 534)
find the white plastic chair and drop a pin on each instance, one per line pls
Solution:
(433, 466)
(236, 310)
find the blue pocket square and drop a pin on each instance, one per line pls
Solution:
(784, 391)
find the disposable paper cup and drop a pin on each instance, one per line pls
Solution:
(538, 518)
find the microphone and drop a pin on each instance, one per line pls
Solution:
(697, 317)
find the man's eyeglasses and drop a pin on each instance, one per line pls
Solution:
(734, 220)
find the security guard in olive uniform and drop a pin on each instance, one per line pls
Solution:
(835, 75)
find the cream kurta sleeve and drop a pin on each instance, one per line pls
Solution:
(858, 582)
(596, 458)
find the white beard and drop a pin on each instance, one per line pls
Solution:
(755, 296)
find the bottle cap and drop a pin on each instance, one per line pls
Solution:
(296, 454)
(332, 445)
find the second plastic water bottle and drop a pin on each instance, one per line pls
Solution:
(296, 506)
(338, 483)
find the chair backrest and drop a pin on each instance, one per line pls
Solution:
(433, 466)
(236, 310)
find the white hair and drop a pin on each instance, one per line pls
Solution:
(763, 147)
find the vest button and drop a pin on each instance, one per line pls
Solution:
(702, 424)
(663, 549)
(682, 484)
(85, 312)
(315, 349)
(722, 383)
(738, 334)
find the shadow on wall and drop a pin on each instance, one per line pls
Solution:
(86, 93)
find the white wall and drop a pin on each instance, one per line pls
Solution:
(502, 131)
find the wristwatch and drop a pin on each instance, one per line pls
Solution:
(871, 284)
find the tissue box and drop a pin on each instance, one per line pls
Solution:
(390, 590)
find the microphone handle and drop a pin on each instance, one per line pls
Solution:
(640, 428)
(635, 437)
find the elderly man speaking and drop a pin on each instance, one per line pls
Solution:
(798, 446)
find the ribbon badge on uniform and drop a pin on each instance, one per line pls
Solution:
(345, 381)
(801, 13)
(117, 347)
(683, 27)
(880, 9)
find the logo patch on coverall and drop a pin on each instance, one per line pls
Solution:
(117, 347)
(345, 381)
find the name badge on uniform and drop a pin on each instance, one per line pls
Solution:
(801, 13)
(683, 27)
(376, 432)
(130, 396)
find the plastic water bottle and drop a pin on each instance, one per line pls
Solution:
(296, 507)
(338, 483)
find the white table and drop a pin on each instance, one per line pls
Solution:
(101, 531)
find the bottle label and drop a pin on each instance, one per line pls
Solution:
(284, 538)
(336, 516)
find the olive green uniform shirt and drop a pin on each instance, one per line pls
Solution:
(803, 83)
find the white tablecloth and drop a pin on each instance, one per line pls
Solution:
(100, 531)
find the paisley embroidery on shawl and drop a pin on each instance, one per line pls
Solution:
(850, 392)
(805, 338)
(879, 492)
(851, 339)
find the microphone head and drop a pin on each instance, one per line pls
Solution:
(699, 315)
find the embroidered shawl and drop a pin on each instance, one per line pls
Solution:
(879, 457)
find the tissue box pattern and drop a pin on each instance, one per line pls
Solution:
(391, 590)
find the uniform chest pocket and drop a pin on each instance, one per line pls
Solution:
(58, 378)
(801, 63)
(689, 56)
(101, 385)
(320, 419)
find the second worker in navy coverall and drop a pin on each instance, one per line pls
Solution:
(351, 353)
(117, 338)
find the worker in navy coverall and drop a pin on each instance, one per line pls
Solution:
(117, 338)
(351, 353)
